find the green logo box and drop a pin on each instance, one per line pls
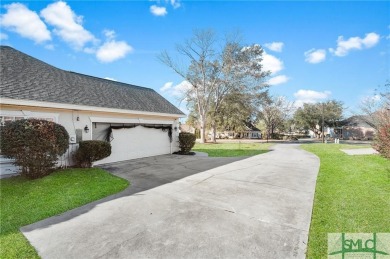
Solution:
(359, 245)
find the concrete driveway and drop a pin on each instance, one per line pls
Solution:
(259, 207)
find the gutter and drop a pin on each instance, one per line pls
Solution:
(84, 108)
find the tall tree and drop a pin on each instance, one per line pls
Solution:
(199, 52)
(241, 76)
(311, 116)
(274, 112)
(215, 73)
(236, 109)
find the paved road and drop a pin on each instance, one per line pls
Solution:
(258, 207)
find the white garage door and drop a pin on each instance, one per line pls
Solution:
(136, 143)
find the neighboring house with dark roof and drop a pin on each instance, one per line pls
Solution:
(356, 127)
(249, 132)
(137, 119)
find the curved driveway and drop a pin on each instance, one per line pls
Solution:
(259, 207)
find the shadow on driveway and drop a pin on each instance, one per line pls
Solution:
(143, 174)
(147, 173)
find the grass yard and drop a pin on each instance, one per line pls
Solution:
(23, 202)
(232, 149)
(352, 195)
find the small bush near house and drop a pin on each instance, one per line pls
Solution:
(34, 144)
(186, 142)
(90, 151)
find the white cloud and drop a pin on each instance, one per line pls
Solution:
(315, 56)
(25, 22)
(3, 36)
(110, 34)
(310, 96)
(67, 24)
(113, 50)
(178, 90)
(275, 46)
(371, 99)
(371, 40)
(272, 63)
(277, 80)
(158, 10)
(110, 78)
(354, 43)
(166, 87)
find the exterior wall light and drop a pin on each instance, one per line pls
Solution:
(86, 129)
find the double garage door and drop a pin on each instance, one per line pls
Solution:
(131, 143)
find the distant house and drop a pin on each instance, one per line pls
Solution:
(136, 120)
(355, 127)
(249, 132)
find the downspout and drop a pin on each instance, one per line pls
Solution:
(170, 143)
(91, 127)
(171, 146)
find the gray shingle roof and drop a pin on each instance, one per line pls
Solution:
(26, 78)
(358, 121)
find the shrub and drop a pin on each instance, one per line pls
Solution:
(90, 151)
(186, 142)
(382, 141)
(382, 138)
(34, 144)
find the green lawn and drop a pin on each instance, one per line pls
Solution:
(352, 195)
(232, 149)
(23, 202)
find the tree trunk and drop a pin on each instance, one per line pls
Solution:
(202, 129)
(214, 132)
(267, 134)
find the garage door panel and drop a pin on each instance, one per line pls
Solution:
(136, 143)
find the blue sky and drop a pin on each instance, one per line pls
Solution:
(316, 50)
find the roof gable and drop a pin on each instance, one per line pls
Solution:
(26, 78)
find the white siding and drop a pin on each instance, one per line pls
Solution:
(77, 120)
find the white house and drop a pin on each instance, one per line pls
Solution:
(136, 120)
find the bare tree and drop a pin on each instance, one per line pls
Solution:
(377, 114)
(199, 51)
(214, 73)
(373, 106)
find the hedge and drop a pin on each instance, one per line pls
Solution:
(34, 144)
(90, 151)
(186, 142)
